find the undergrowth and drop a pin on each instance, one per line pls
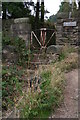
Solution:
(21, 50)
(42, 103)
(11, 85)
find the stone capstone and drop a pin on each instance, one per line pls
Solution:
(21, 20)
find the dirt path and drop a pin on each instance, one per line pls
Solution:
(69, 107)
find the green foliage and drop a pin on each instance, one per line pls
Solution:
(40, 105)
(49, 95)
(20, 48)
(14, 8)
(62, 56)
(68, 59)
(11, 86)
(65, 7)
(6, 40)
(52, 18)
(66, 51)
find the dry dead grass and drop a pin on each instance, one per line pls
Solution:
(60, 67)
(57, 71)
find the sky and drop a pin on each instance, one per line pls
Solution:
(51, 5)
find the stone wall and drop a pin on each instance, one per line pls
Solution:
(18, 28)
(66, 34)
(21, 28)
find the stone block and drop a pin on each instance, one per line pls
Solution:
(55, 49)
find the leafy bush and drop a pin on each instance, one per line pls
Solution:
(11, 87)
(20, 48)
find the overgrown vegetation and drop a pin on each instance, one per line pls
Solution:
(49, 94)
(13, 73)
(66, 51)
(20, 49)
(68, 59)
(41, 103)
(14, 8)
(11, 85)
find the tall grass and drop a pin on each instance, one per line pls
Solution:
(42, 103)
(49, 97)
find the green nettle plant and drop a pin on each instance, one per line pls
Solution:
(11, 87)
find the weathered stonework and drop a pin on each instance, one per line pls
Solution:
(21, 28)
(67, 34)
(18, 28)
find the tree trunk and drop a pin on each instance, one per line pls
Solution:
(37, 14)
(42, 12)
